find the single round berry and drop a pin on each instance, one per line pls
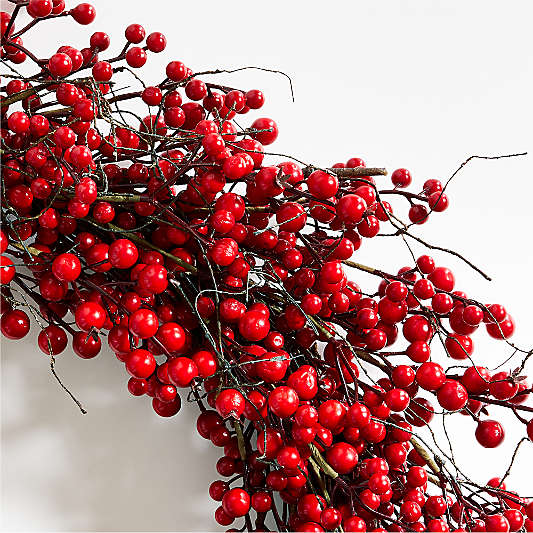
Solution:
(342, 457)
(489, 433)
(156, 42)
(401, 178)
(66, 267)
(15, 324)
(140, 363)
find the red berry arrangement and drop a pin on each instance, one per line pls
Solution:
(219, 277)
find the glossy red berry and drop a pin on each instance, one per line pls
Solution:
(123, 253)
(156, 42)
(254, 326)
(143, 323)
(350, 209)
(322, 185)
(236, 502)
(18, 122)
(397, 399)
(401, 178)
(283, 401)
(90, 315)
(60, 65)
(40, 8)
(489, 433)
(172, 336)
(102, 71)
(140, 363)
(153, 279)
(430, 376)
(396, 291)
(14, 324)
(83, 13)
(86, 345)
(442, 278)
(267, 130)
(66, 267)
(135, 33)
(342, 457)
(230, 403)
(52, 340)
(7, 270)
(497, 523)
(291, 217)
(452, 396)
(502, 386)
(181, 371)
(136, 57)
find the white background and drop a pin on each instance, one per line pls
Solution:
(413, 84)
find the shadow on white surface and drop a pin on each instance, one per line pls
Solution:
(119, 467)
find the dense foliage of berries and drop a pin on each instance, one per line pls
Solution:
(220, 274)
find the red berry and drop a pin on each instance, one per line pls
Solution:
(15, 324)
(503, 329)
(66, 267)
(401, 178)
(497, 523)
(265, 137)
(90, 315)
(476, 379)
(397, 399)
(459, 346)
(350, 209)
(438, 201)
(140, 363)
(52, 340)
(7, 270)
(136, 57)
(452, 396)
(322, 185)
(60, 65)
(255, 99)
(176, 71)
(143, 323)
(166, 408)
(156, 42)
(86, 345)
(502, 386)
(40, 8)
(430, 376)
(291, 217)
(83, 13)
(489, 433)
(342, 457)
(283, 401)
(181, 371)
(236, 502)
(418, 214)
(18, 122)
(172, 336)
(442, 278)
(153, 279)
(261, 501)
(99, 40)
(254, 326)
(123, 253)
(135, 33)
(230, 402)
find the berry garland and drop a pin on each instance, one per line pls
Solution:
(210, 271)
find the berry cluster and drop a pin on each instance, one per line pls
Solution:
(212, 273)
